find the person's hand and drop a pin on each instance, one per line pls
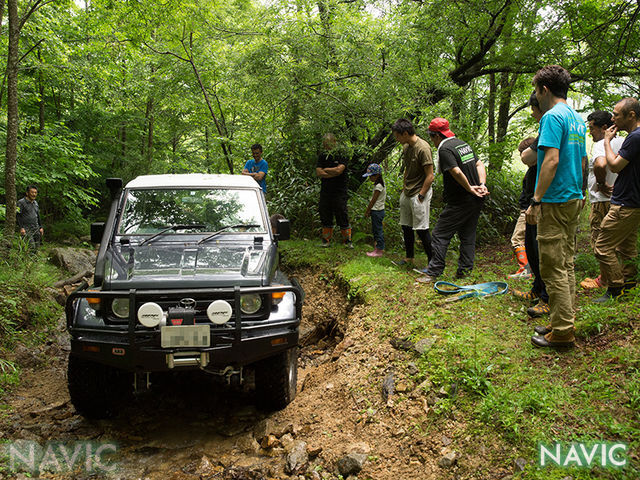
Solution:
(367, 213)
(532, 213)
(23, 232)
(41, 231)
(610, 132)
(605, 188)
(479, 191)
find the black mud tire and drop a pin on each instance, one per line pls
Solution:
(276, 380)
(97, 391)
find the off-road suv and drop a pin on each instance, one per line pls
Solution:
(186, 278)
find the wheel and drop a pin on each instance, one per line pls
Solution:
(96, 390)
(276, 380)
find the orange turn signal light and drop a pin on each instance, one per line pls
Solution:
(277, 295)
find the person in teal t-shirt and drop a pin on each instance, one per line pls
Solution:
(257, 167)
(557, 201)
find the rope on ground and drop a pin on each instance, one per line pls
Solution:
(487, 289)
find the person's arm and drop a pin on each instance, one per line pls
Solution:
(321, 173)
(600, 172)
(529, 157)
(372, 202)
(19, 219)
(616, 162)
(480, 190)
(546, 175)
(331, 172)
(428, 181)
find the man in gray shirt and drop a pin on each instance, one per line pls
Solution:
(28, 218)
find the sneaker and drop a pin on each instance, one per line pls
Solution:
(542, 308)
(522, 295)
(523, 272)
(375, 253)
(426, 279)
(421, 271)
(612, 293)
(591, 283)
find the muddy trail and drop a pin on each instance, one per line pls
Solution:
(344, 420)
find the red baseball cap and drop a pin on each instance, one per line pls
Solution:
(441, 125)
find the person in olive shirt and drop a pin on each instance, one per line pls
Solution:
(28, 218)
(463, 178)
(415, 199)
(331, 168)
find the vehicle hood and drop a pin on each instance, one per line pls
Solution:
(180, 266)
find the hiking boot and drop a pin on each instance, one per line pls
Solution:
(402, 263)
(612, 293)
(463, 273)
(552, 340)
(529, 296)
(375, 253)
(421, 271)
(523, 272)
(427, 279)
(540, 330)
(591, 283)
(542, 308)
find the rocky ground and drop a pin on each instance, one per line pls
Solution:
(346, 421)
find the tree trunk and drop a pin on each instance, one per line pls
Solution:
(491, 107)
(41, 94)
(12, 119)
(147, 147)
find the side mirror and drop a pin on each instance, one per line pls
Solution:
(97, 230)
(284, 229)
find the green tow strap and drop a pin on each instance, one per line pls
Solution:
(465, 291)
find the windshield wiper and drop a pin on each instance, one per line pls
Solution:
(223, 229)
(172, 227)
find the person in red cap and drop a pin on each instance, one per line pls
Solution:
(463, 191)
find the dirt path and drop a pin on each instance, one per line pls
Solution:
(189, 427)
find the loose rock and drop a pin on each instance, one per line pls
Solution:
(424, 344)
(297, 457)
(447, 461)
(351, 464)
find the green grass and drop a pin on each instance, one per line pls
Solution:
(503, 390)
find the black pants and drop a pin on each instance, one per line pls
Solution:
(531, 247)
(463, 220)
(410, 240)
(333, 205)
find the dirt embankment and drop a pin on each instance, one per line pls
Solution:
(190, 427)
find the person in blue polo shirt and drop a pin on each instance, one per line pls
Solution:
(257, 167)
(557, 201)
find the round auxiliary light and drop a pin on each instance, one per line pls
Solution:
(219, 312)
(250, 303)
(150, 314)
(120, 307)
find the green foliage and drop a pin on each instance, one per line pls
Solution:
(501, 209)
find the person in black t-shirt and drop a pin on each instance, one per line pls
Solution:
(463, 192)
(619, 229)
(331, 168)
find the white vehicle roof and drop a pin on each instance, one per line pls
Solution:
(196, 180)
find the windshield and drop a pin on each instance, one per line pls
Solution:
(148, 211)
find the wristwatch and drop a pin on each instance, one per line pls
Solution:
(420, 197)
(534, 203)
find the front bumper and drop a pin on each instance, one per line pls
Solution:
(136, 348)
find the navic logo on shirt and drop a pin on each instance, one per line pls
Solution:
(466, 154)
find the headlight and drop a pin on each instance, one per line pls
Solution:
(120, 307)
(250, 303)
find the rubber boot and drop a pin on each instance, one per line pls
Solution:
(327, 233)
(521, 257)
(346, 237)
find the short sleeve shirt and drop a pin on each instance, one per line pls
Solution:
(333, 185)
(454, 152)
(598, 151)
(254, 167)
(415, 157)
(562, 128)
(28, 214)
(379, 205)
(626, 190)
